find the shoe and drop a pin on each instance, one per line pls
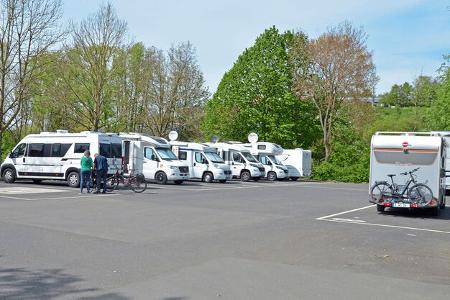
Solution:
(104, 192)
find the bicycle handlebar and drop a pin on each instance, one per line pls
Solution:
(410, 172)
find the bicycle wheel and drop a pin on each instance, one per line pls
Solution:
(380, 192)
(112, 183)
(420, 194)
(137, 183)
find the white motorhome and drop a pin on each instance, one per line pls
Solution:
(400, 161)
(152, 157)
(297, 161)
(266, 153)
(203, 161)
(446, 136)
(242, 163)
(56, 155)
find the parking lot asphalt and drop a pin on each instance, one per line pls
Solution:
(255, 240)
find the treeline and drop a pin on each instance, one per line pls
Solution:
(88, 77)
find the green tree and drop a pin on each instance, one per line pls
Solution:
(256, 95)
(425, 91)
(399, 95)
(439, 113)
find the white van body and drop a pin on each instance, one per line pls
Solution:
(240, 160)
(203, 161)
(266, 153)
(56, 155)
(446, 136)
(152, 157)
(297, 161)
(397, 152)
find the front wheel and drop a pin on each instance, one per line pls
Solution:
(208, 177)
(138, 183)
(420, 194)
(271, 176)
(161, 178)
(379, 192)
(9, 175)
(112, 183)
(245, 176)
(73, 179)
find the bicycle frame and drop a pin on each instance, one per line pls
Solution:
(405, 189)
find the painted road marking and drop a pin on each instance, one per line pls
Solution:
(28, 190)
(58, 198)
(331, 218)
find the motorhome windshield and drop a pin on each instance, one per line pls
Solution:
(249, 157)
(214, 157)
(166, 154)
(274, 159)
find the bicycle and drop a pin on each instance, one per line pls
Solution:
(418, 195)
(136, 182)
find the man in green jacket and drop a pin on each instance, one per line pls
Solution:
(86, 170)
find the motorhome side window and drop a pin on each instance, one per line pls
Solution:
(80, 148)
(265, 161)
(105, 149)
(182, 155)
(237, 157)
(149, 153)
(116, 150)
(19, 151)
(198, 157)
(261, 147)
(59, 150)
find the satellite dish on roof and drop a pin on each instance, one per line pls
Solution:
(252, 137)
(173, 135)
(214, 139)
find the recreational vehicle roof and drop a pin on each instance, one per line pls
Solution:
(411, 142)
(155, 141)
(192, 146)
(65, 133)
(265, 147)
(227, 146)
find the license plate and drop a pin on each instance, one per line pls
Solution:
(400, 204)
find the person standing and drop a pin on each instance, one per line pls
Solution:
(86, 169)
(101, 170)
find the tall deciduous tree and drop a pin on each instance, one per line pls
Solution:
(256, 95)
(439, 114)
(89, 61)
(340, 68)
(28, 28)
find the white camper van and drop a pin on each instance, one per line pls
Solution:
(152, 157)
(297, 161)
(242, 163)
(266, 153)
(407, 170)
(56, 155)
(203, 161)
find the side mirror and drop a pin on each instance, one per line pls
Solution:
(205, 162)
(11, 155)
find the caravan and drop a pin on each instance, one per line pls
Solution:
(56, 155)
(152, 157)
(297, 161)
(242, 163)
(203, 161)
(407, 170)
(266, 153)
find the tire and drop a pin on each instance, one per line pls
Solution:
(73, 179)
(294, 178)
(138, 183)
(222, 180)
(380, 208)
(442, 205)
(271, 176)
(421, 194)
(9, 175)
(112, 183)
(161, 177)
(379, 192)
(208, 177)
(245, 176)
(37, 181)
(178, 182)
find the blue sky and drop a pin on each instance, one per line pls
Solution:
(407, 37)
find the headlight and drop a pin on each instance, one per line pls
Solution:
(173, 168)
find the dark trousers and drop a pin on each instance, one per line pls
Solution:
(101, 180)
(85, 180)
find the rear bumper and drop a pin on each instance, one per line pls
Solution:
(404, 203)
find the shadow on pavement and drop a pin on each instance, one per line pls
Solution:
(20, 283)
(444, 214)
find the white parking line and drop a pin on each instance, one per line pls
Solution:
(58, 198)
(331, 218)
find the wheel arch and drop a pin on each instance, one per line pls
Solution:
(7, 166)
(70, 170)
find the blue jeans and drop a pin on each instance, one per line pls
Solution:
(85, 180)
(101, 178)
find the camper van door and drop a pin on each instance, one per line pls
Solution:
(150, 163)
(18, 157)
(199, 164)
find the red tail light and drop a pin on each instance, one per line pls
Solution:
(387, 204)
